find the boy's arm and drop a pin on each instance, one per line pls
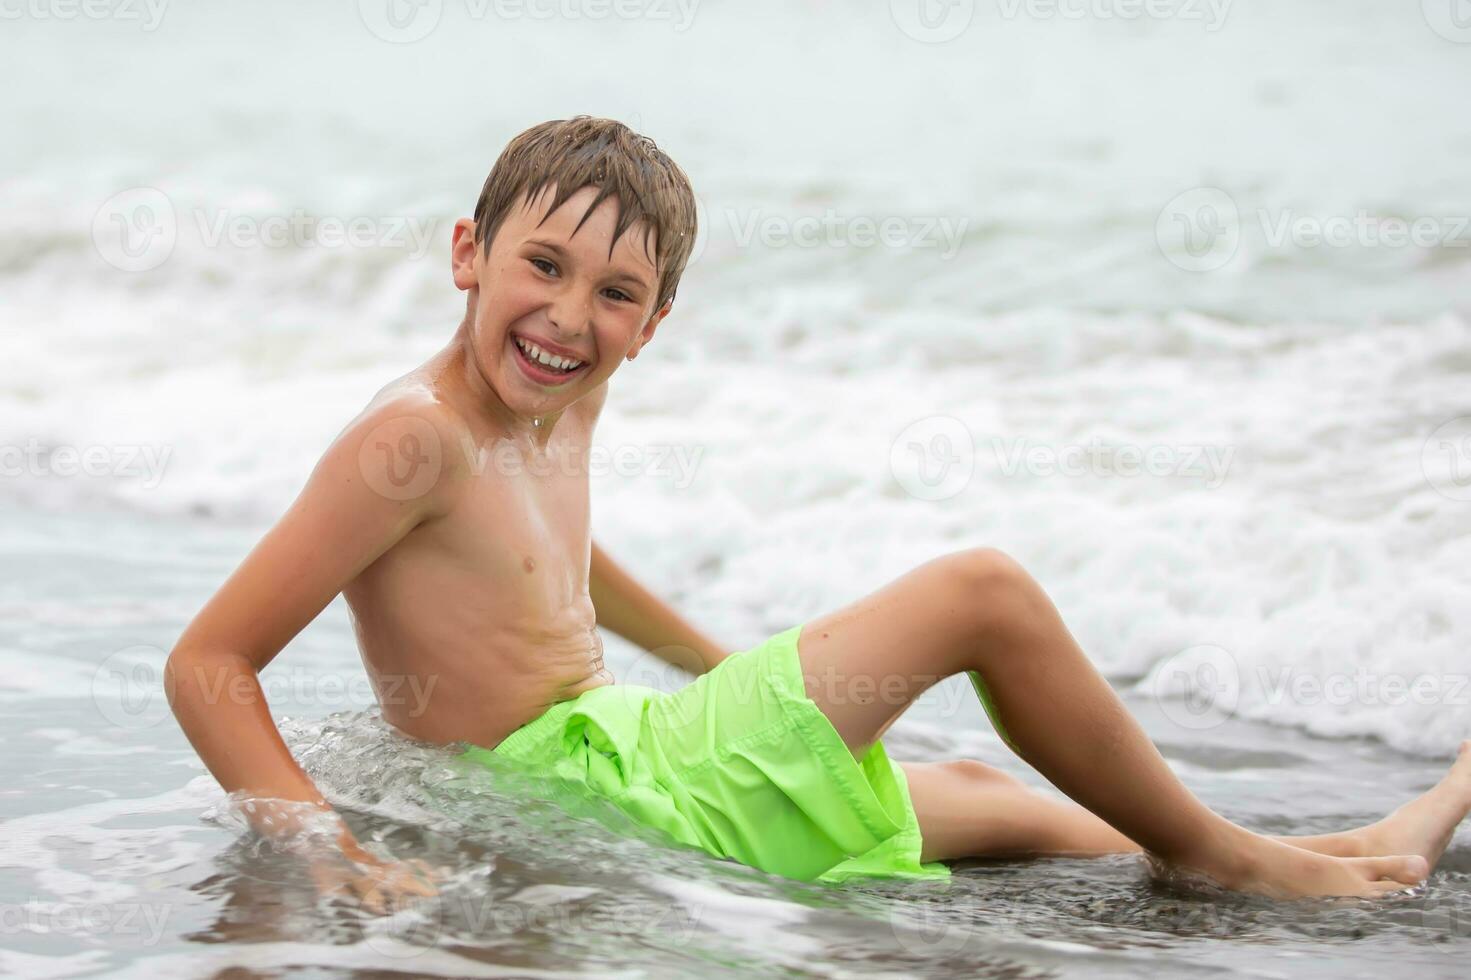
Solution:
(336, 527)
(637, 615)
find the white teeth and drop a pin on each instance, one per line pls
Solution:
(550, 360)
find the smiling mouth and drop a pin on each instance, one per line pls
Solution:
(543, 366)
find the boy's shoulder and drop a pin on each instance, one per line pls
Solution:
(407, 442)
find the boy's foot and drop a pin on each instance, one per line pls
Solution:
(1284, 871)
(1425, 825)
(1401, 849)
(1265, 866)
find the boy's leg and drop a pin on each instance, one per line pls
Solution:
(969, 809)
(978, 610)
(966, 808)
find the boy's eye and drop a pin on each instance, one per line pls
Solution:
(618, 294)
(544, 265)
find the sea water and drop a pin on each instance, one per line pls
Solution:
(1173, 308)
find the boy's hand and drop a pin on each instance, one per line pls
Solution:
(379, 886)
(625, 607)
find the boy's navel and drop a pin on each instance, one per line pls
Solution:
(529, 564)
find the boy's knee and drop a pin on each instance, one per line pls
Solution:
(973, 771)
(991, 585)
(986, 569)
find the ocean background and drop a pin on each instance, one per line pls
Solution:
(1174, 309)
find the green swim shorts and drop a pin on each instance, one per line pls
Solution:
(740, 763)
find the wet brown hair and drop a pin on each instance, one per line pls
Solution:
(574, 153)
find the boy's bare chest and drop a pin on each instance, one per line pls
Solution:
(526, 519)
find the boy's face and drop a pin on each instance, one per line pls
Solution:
(554, 285)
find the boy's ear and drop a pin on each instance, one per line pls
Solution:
(647, 333)
(462, 254)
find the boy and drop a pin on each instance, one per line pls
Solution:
(453, 515)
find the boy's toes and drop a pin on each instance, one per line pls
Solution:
(1382, 889)
(1406, 869)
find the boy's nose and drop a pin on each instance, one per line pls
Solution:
(569, 315)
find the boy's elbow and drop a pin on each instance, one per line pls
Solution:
(191, 673)
(179, 670)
